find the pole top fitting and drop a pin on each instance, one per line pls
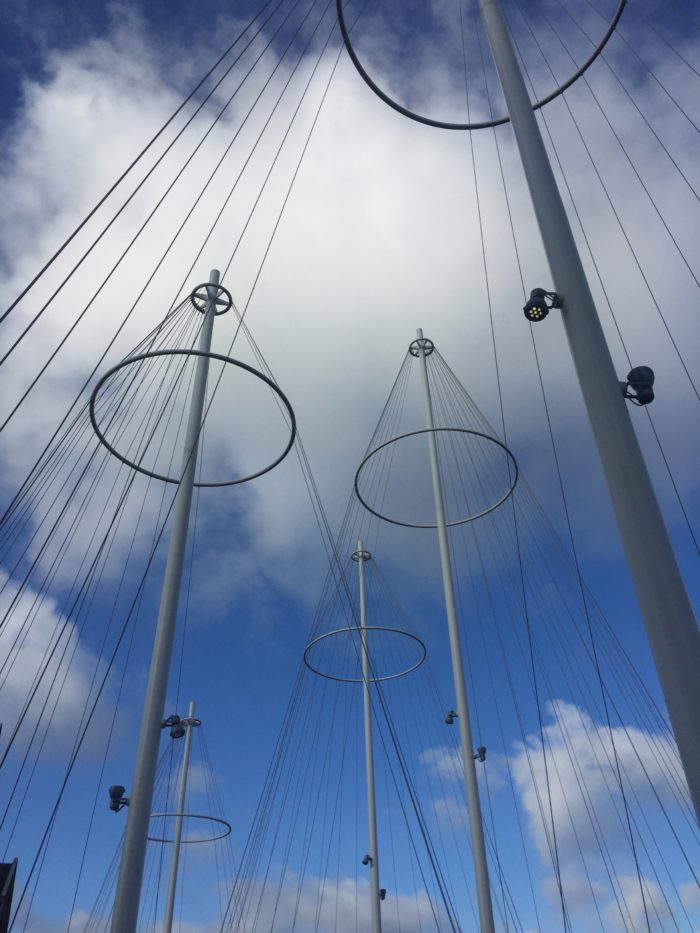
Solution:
(423, 344)
(191, 721)
(361, 554)
(208, 292)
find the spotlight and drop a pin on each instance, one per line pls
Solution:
(480, 753)
(117, 800)
(177, 730)
(382, 894)
(640, 381)
(367, 860)
(450, 718)
(540, 304)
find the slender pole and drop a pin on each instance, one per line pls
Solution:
(126, 902)
(361, 556)
(177, 835)
(481, 870)
(666, 609)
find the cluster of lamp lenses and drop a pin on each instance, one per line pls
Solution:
(539, 304)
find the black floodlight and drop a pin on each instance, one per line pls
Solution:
(177, 730)
(367, 860)
(382, 894)
(540, 304)
(117, 800)
(639, 386)
(450, 718)
(480, 753)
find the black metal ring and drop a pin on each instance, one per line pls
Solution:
(213, 356)
(445, 125)
(193, 816)
(357, 630)
(460, 521)
(194, 297)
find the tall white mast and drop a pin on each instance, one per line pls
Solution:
(481, 870)
(668, 615)
(360, 556)
(189, 725)
(126, 903)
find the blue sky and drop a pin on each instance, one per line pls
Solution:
(380, 236)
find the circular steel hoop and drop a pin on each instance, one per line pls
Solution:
(194, 816)
(458, 521)
(446, 125)
(213, 356)
(200, 299)
(356, 630)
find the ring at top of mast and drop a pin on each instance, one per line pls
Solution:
(485, 124)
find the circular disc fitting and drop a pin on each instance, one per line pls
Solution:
(194, 816)
(200, 298)
(357, 632)
(360, 555)
(422, 343)
(446, 125)
(513, 477)
(212, 356)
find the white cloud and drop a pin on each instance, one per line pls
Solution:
(586, 802)
(690, 895)
(583, 777)
(328, 904)
(379, 238)
(42, 647)
(443, 760)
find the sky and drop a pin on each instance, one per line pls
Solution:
(390, 226)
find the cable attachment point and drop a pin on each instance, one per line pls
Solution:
(639, 385)
(202, 295)
(422, 343)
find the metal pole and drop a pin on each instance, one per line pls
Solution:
(666, 609)
(177, 835)
(126, 902)
(361, 556)
(481, 870)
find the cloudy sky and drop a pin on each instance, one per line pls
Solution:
(387, 226)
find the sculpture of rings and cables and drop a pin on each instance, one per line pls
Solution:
(446, 125)
(357, 632)
(510, 483)
(224, 831)
(192, 353)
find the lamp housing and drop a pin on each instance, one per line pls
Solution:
(177, 729)
(539, 304)
(117, 800)
(639, 387)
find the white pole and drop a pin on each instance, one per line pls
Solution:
(126, 902)
(361, 556)
(481, 870)
(177, 835)
(668, 615)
